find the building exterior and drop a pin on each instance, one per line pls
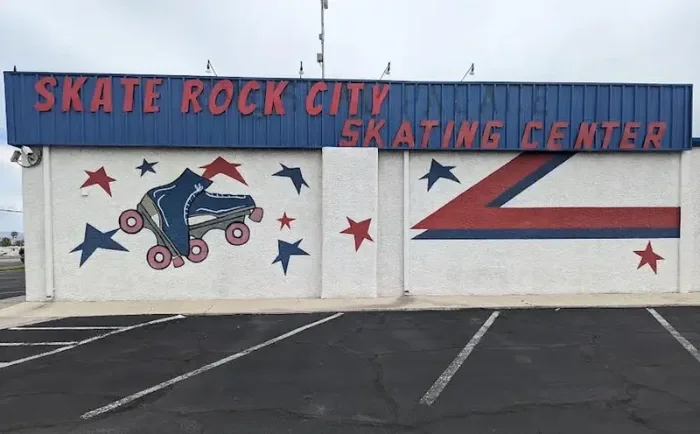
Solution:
(162, 187)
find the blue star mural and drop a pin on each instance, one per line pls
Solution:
(293, 173)
(147, 167)
(287, 250)
(95, 239)
(438, 171)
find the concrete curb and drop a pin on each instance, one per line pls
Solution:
(40, 311)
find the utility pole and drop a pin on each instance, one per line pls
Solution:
(321, 57)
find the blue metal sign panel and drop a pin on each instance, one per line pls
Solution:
(167, 111)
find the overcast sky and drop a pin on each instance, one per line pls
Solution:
(535, 40)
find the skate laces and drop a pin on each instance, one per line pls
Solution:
(198, 187)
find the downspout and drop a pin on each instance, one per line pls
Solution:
(48, 225)
(686, 242)
(406, 222)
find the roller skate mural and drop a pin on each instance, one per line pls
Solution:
(168, 212)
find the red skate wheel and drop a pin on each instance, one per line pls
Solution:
(199, 250)
(131, 221)
(158, 257)
(237, 234)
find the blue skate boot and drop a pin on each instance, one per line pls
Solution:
(228, 211)
(171, 204)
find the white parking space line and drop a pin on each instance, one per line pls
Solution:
(89, 340)
(30, 328)
(432, 394)
(157, 387)
(37, 344)
(681, 340)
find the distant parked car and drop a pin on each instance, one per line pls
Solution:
(21, 254)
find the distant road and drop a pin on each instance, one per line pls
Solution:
(12, 261)
(11, 282)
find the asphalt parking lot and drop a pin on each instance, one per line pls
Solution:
(616, 371)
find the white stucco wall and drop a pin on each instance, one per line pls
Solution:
(389, 189)
(689, 275)
(34, 231)
(349, 200)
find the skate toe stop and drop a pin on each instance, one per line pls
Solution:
(256, 215)
(178, 262)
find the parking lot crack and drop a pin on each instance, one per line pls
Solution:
(632, 389)
(381, 387)
(374, 361)
(33, 427)
(68, 394)
(521, 407)
(357, 420)
(629, 403)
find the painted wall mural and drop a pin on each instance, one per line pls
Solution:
(253, 224)
(295, 175)
(359, 231)
(437, 171)
(220, 166)
(146, 167)
(648, 257)
(285, 220)
(166, 211)
(480, 211)
(286, 251)
(477, 213)
(99, 177)
(169, 211)
(96, 239)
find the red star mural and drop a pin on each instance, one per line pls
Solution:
(285, 220)
(99, 177)
(359, 230)
(648, 257)
(221, 166)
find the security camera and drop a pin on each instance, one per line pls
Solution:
(26, 156)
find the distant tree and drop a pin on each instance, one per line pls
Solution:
(19, 243)
(6, 242)
(14, 234)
